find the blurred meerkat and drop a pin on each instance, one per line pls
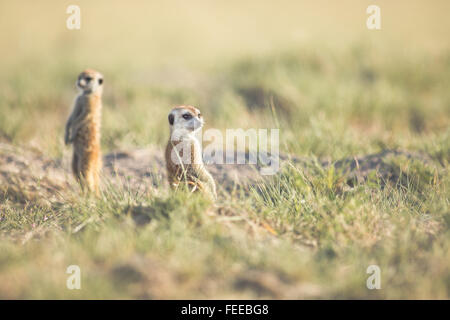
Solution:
(183, 152)
(83, 130)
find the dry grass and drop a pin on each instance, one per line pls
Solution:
(335, 89)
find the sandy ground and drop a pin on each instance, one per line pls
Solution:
(29, 173)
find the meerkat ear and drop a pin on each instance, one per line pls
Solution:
(100, 81)
(171, 119)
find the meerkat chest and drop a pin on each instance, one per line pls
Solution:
(184, 153)
(88, 134)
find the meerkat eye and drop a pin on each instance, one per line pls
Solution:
(171, 118)
(187, 116)
(100, 81)
(88, 79)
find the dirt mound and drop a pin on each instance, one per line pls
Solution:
(27, 175)
(385, 165)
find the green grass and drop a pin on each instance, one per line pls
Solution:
(303, 233)
(322, 239)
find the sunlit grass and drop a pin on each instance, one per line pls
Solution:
(334, 89)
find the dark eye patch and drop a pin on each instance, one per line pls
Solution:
(187, 116)
(88, 79)
(171, 118)
(100, 81)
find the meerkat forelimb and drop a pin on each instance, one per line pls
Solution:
(83, 130)
(73, 122)
(183, 152)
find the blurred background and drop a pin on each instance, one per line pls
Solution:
(315, 62)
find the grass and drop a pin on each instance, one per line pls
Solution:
(303, 233)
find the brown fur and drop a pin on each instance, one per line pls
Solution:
(83, 130)
(192, 109)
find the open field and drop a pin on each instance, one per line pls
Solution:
(336, 90)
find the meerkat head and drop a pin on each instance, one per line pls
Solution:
(90, 81)
(185, 120)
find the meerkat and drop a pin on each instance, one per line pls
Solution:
(183, 152)
(83, 130)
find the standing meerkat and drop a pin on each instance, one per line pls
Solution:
(83, 130)
(183, 152)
